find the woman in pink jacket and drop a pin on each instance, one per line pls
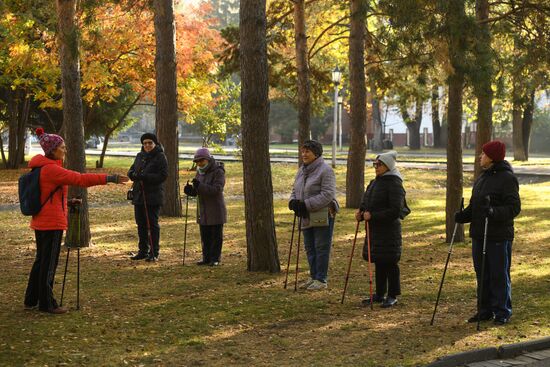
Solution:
(51, 221)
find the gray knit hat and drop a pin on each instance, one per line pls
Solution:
(388, 159)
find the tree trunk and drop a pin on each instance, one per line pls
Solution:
(302, 68)
(355, 175)
(413, 124)
(527, 123)
(166, 112)
(482, 83)
(436, 123)
(517, 124)
(4, 160)
(377, 144)
(456, 18)
(23, 119)
(258, 189)
(69, 60)
(18, 108)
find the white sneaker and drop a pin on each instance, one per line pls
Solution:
(317, 285)
(306, 284)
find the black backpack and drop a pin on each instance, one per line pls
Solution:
(29, 192)
(405, 210)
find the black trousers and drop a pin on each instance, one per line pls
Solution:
(212, 239)
(153, 212)
(41, 279)
(387, 278)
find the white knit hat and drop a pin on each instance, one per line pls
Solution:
(388, 159)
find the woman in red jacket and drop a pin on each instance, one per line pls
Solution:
(51, 221)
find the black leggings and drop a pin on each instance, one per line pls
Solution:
(212, 239)
(41, 279)
(387, 277)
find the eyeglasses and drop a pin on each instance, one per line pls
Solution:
(377, 164)
(148, 142)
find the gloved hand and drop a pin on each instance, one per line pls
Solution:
(132, 175)
(292, 203)
(196, 183)
(300, 209)
(112, 178)
(189, 190)
(486, 207)
(459, 217)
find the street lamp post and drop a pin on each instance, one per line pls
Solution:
(340, 104)
(336, 77)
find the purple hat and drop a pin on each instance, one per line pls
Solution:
(48, 142)
(202, 153)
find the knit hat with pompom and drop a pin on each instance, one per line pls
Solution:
(48, 142)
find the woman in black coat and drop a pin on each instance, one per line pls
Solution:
(381, 207)
(495, 198)
(149, 171)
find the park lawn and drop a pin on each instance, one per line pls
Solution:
(166, 314)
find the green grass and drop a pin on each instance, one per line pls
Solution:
(166, 314)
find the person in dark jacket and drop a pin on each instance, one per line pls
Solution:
(313, 199)
(381, 208)
(149, 171)
(495, 196)
(51, 221)
(208, 185)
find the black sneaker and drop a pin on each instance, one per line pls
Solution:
(202, 262)
(375, 299)
(139, 257)
(214, 263)
(480, 317)
(389, 302)
(501, 320)
(152, 258)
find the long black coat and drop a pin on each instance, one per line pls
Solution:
(151, 169)
(384, 199)
(500, 183)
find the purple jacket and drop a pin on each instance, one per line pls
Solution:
(315, 184)
(211, 208)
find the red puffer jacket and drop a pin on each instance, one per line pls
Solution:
(53, 215)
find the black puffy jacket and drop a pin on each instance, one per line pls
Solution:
(384, 199)
(501, 185)
(151, 170)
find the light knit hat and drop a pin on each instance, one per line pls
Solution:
(388, 159)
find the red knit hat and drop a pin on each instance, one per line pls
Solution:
(48, 142)
(496, 150)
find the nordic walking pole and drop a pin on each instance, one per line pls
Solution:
(147, 219)
(350, 260)
(64, 277)
(298, 254)
(290, 250)
(77, 209)
(71, 223)
(446, 264)
(185, 231)
(480, 295)
(370, 267)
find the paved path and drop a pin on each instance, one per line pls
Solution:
(531, 359)
(532, 353)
